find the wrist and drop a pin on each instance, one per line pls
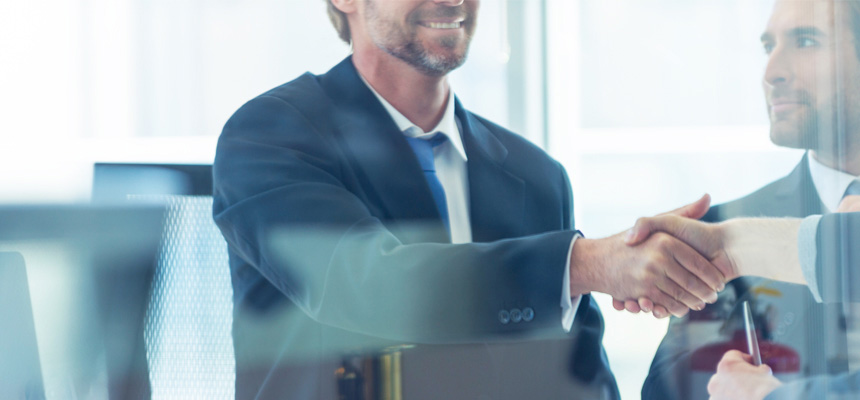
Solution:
(585, 271)
(733, 245)
(765, 247)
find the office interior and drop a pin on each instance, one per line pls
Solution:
(119, 103)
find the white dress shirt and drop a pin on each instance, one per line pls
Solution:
(450, 160)
(830, 183)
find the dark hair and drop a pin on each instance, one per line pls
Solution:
(338, 20)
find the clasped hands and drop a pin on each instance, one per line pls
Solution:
(668, 264)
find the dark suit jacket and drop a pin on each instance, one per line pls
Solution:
(336, 246)
(792, 196)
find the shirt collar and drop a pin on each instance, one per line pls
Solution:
(449, 125)
(830, 183)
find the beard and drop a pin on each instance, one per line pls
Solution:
(801, 130)
(403, 43)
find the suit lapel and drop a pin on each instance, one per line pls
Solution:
(798, 192)
(497, 197)
(385, 164)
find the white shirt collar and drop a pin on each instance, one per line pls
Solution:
(448, 125)
(830, 183)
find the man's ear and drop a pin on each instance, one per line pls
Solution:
(346, 6)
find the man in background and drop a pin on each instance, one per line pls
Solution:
(812, 88)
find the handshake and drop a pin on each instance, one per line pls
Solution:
(673, 263)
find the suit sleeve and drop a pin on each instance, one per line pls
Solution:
(837, 257)
(670, 375)
(839, 387)
(282, 205)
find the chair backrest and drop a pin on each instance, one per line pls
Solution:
(188, 337)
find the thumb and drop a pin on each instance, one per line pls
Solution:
(645, 226)
(671, 224)
(694, 210)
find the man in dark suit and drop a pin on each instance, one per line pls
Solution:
(811, 82)
(366, 208)
(819, 252)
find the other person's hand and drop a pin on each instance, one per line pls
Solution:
(738, 379)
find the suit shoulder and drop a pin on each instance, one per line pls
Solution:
(518, 146)
(760, 203)
(301, 99)
(296, 90)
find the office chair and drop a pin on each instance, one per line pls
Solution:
(189, 345)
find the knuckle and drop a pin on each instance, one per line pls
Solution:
(692, 282)
(664, 239)
(713, 384)
(654, 263)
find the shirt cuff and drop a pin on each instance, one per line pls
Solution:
(568, 304)
(807, 253)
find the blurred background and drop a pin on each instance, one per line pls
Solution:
(648, 103)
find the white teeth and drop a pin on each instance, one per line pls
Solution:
(443, 25)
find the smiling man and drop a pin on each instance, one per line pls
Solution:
(812, 91)
(366, 208)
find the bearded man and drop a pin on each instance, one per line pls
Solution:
(366, 209)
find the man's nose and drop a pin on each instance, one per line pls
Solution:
(779, 70)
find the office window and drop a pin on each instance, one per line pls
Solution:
(652, 104)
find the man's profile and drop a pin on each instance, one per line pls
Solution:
(812, 88)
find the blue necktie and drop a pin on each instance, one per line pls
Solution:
(853, 188)
(423, 149)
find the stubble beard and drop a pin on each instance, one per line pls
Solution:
(403, 43)
(801, 133)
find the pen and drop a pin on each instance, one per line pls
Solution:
(752, 340)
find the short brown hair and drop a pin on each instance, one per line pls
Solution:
(338, 19)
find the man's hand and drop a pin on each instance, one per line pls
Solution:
(661, 268)
(738, 379)
(644, 228)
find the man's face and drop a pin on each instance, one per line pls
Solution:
(431, 35)
(812, 79)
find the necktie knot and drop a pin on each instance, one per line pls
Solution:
(851, 199)
(853, 188)
(423, 149)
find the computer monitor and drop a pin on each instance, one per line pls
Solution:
(88, 273)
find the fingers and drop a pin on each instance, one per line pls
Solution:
(687, 276)
(629, 305)
(660, 311)
(632, 306)
(733, 358)
(647, 305)
(675, 298)
(643, 304)
(699, 276)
